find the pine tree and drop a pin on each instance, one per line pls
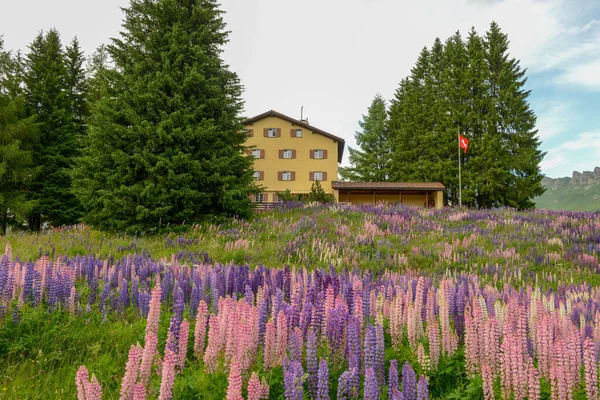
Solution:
(17, 130)
(372, 163)
(165, 143)
(48, 97)
(474, 88)
(77, 84)
(513, 123)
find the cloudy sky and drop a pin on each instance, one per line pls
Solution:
(333, 56)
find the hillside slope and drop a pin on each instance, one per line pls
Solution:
(581, 192)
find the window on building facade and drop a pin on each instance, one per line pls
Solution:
(256, 153)
(298, 132)
(286, 176)
(287, 153)
(257, 175)
(318, 154)
(272, 132)
(317, 176)
(260, 197)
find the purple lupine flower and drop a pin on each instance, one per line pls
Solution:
(135, 293)
(262, 320)
(323, 384)
(124, 295)
(353, 343)
(249, 295)
(371, 358)
(422, 390)
(380, 355)
(195, 299)
(343, 390)
(292, 380)
(371, 391)
(295, 346)
(409, 383)
(37, 288)
(16, 315)
(311, 363)
(27, 289)
(393, 384)
(277, 305)
(305, 316)
(4, 267)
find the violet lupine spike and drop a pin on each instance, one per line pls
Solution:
(393, 380)
(409, 383)
(343, 389)
(422, 389)
(323, 381)
(371, 357)
(311, 363)
(292, 380)
(371, 390)
(131, 372)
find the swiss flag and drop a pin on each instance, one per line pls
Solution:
(463, 142)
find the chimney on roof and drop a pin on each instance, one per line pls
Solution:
(302, 119)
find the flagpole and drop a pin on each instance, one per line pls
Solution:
(459, 178)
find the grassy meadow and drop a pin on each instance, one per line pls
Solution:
(444, 293)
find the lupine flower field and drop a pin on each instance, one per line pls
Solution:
(325, 302)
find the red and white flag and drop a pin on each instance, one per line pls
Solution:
(463, 142)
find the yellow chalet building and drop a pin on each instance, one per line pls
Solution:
(291, 154)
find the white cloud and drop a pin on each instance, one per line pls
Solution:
(552, 118)
(585, 75)
(581, 153)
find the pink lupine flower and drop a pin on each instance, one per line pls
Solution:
(212, 348)
(154, 312)
(488, 382)
(147, 358)
(200, 329)
(131, 372)
(270, 346)
(139, 391)
(234, 388)
(93, 389)
(167, 375)
(282, 338)
(254, 388)
(433, 334)
(591, 369)
(533, 381)
(81, 380)
(183, 343)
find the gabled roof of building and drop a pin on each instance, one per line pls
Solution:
(388, 185)
(272, 113)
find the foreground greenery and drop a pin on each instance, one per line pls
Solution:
(42, 350)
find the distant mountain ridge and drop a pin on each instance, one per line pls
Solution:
(581, 192)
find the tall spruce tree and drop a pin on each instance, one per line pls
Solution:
(372, 163)
(17, 131)
(77, 84)
(48, 97)
(165, 144)
(475, 88)
(513, 122)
